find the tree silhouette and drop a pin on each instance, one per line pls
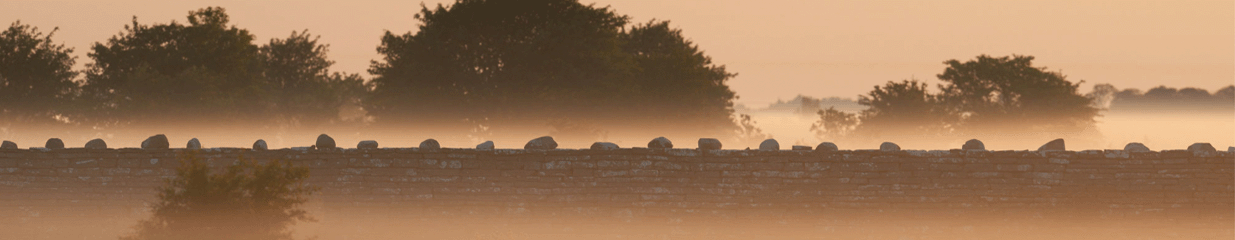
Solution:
(992, 94)
(501, 64)
(246, 201)
(208, 71)
(302, 89)
(36, 76)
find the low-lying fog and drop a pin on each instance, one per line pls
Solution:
(1158, 130)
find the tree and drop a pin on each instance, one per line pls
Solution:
(175, 72)
(501, 64)
(246, 201)
(36, 76)
(834, 124)
(1102, 95)
(1010, 94)
(302, 89)
(900, 108)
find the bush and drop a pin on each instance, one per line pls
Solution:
(246, 200)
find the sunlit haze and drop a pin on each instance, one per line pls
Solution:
(781, 48)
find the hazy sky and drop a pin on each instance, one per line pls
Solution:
(781, 48)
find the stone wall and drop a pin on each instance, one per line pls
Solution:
(100, 193)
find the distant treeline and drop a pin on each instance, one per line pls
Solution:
(1163, 98)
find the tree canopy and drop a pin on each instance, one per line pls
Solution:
(207, 71)
(36, 76)
(246, 201)
(987, 95)
(499, 63)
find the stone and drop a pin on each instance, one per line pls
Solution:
(604, 146)
(96, 144)
(973, 144)
(660, 143)
(889, 147)
(324, 142)
(260, 145)
(430, 144)
(367, 144)
(800, 147)
(1195, 148)
(1228, 149)
(156, 142)
(487, 145)
(193, 144)
(769, 145)
(541, 143)
(1136, 147)
(1053, 145)
(8, 145)
(826, 147)
(56, 143)
(709, 144)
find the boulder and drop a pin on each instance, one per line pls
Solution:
(1136, 147)
(367, 144)
(973, 144)
(96, 144)
(660, 143)
(889, 147)
(826, 147)
(1230, 149)
(56, 143)
(541, 143)
(487, 145)
(1195, 148)
(769, 145)
(604, 146)
(800, 147)
(8, 145)
(156, 142)
(193, 144)
(430, 144)
(709, 144)
(1053, 145)
(324, 142)
(260, 145)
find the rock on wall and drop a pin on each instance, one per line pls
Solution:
(100, 193)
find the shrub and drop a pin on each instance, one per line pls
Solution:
(246, 200)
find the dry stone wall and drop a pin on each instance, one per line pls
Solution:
(102, 192)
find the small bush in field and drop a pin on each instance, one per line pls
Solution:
(247, 200)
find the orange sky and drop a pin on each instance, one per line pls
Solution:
(782, 48)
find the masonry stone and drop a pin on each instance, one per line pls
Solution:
(193, 144)
(324, 142)
(367, 144)
(430, 144)
(604, 146)
(826, 147)
(660, 143)
(156, 142)
(1053, 145)
(973, 144)
(56, 143)
(541, 143)
(487, 145)
(1136, 147)
(96, 144)
(709, 144)
(1202, 148)
(889, 147)
(769, 145)
(260, 145)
